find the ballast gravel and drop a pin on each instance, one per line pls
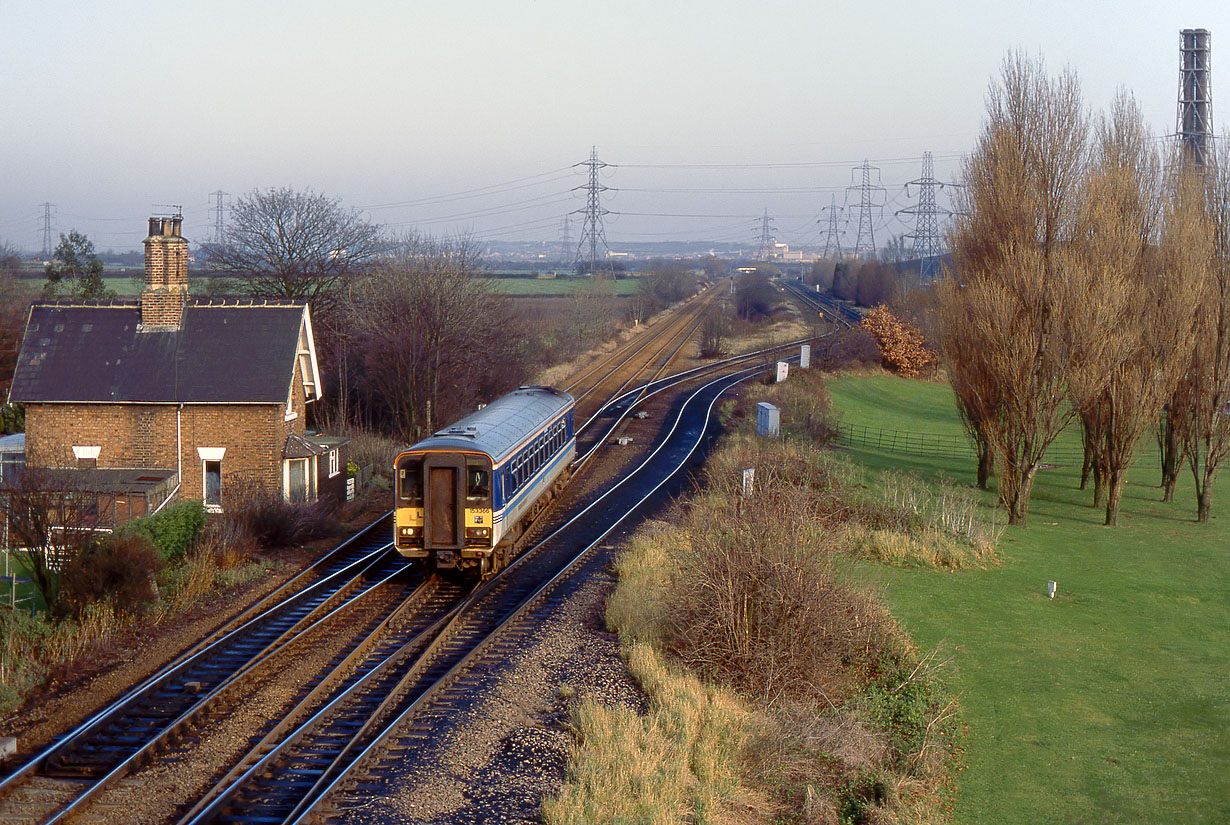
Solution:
(509, 747)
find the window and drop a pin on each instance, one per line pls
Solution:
(410, 482)
(213, 486)
(334, 469)
(478, 485)
(297, 479)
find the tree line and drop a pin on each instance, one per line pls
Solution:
(1090, 283)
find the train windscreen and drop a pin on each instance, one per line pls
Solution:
(410, 482)
(478, 482)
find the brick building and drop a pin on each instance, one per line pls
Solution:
(169, 397)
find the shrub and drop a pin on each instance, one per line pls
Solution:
(171, 530)
(758, 605)
(901, 343)
(252, 510)
(120, 569)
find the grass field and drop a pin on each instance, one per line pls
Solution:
(1107, 705)
(550, 286)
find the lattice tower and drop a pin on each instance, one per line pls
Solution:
(767, 241)
(592, 233)
(926, 234)
(832, 241)
(866, 244)
(1195, 116)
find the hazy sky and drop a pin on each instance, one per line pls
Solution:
(709, 112)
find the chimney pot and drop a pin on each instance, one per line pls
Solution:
(175, 224)
(155, 226)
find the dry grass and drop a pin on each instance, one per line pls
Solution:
(678, 763)
(920, 525)
(777, 691)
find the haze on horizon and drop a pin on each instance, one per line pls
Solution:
(710, 112)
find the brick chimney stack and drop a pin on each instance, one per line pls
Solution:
(166, 274)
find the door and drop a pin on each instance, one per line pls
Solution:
(442, 497)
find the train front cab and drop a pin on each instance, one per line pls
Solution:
(444, 509)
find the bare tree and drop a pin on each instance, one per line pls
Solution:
(1201, 403)
(432, 336)
(973, 384)
(281, 243)
(1146, 250)
(592, 306)
(53, 515)
(1019, 286)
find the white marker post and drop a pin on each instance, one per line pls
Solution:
(749, 482)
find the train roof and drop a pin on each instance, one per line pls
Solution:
(498, 428)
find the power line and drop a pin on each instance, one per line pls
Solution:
(592, 232)
(767, 241)
(47, 207)
(865, 245)
(793, 165)
(219, 227)
(833, 240)
(493, 189)
(926, 234)
(565, 242)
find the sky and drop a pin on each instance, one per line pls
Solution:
(471, 116)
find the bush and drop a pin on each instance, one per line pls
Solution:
(120, 569)
(171, 530)
(252, 510)
(901, 344)
(759, 606)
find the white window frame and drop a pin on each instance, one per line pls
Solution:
(208, 455)
(334, 465)
(309, 480)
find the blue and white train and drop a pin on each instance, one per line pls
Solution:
(463, 494)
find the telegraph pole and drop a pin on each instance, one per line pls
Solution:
(865, 246)
(592, 232)
(833, 239)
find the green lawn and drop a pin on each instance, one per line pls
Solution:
(1108, 704)
(553, 286)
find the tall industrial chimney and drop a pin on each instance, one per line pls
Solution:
(1195, 94)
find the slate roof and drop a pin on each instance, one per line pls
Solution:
(222, 353)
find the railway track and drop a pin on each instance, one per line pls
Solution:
(475, 640)
(650, 350)
(182, 696)
(832, 310)
(396, 638)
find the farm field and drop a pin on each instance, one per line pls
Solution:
(549, 286)
(1107, 705)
